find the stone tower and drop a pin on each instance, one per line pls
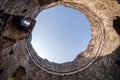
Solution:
(19, 61)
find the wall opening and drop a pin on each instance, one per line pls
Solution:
(20, 71)
(60, 34)
(11, 52)
(118, 1)
(116, 24)
(1, 69)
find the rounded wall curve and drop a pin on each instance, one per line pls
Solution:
(87, 57)
(19, 61)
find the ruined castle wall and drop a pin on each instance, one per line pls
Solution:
(19, 61)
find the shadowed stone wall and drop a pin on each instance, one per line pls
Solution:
(19, 61)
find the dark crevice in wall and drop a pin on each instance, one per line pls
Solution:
(9, 39)
(44, 2)
(25, 10)
(11, 52)
(2, 10)
(116, 24)
(20, 71)
(118, 1)
(1, 69)
(117, 62)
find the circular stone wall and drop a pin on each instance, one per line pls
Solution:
(19, 61)
(84, 59)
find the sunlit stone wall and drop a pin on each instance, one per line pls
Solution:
(18, 60)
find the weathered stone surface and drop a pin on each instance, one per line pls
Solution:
(19, 61)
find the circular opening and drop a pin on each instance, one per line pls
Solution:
(60, 34)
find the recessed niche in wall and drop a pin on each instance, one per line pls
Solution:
(60, 34)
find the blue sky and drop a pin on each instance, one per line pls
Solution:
(60, 34)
